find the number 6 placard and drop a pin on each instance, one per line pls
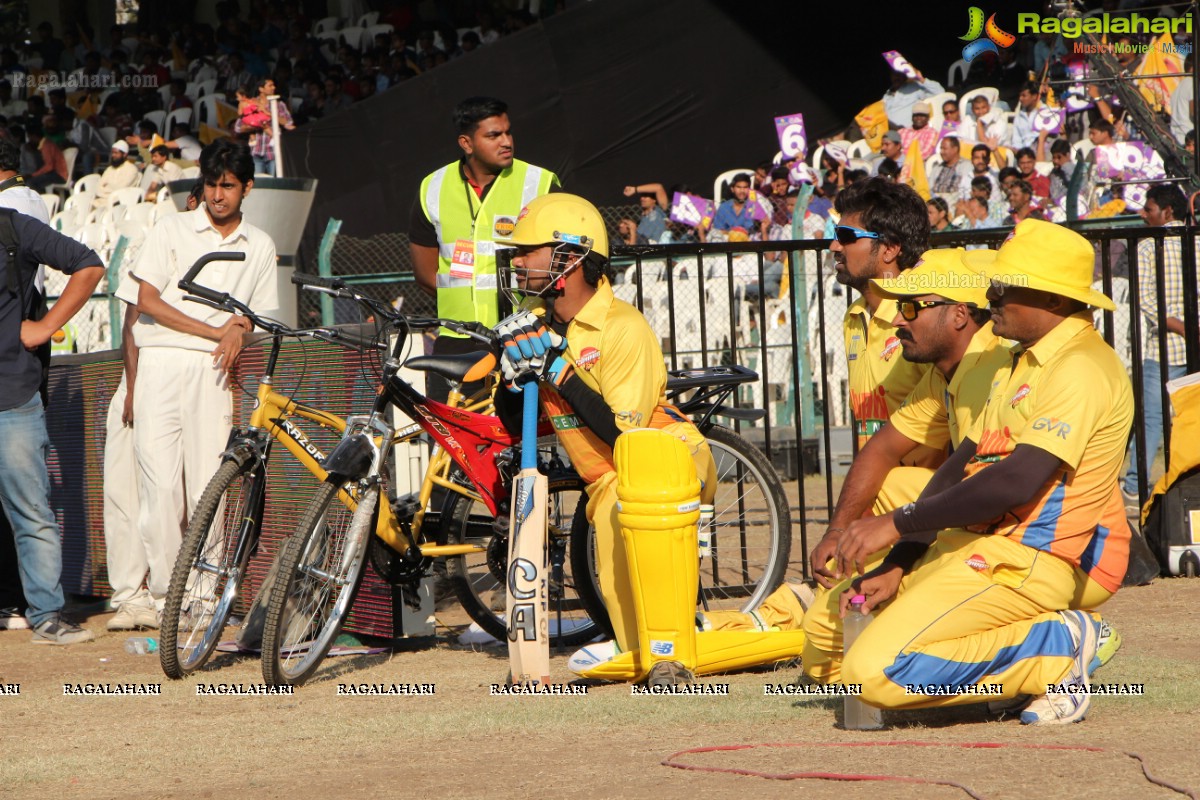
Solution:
(792, 141)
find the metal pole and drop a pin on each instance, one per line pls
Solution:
(275, 144)
(325, 266)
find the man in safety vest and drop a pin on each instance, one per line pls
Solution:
(460, 212)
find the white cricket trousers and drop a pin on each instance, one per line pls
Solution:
(181, 412)
(125, 546)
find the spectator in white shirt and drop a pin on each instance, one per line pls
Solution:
(160, 172)
(951, 173)
(1022, 133)
(898, 101)
(120, 174)
(991, 128)
(1183, 101)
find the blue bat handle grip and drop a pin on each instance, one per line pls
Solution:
(529, 425)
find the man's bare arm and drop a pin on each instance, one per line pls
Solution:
(150, 303)
(425, 267)
(77, 291)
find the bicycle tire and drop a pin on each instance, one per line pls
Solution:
(750, 508)
(192, 593)
(320, 571)
(478, 579)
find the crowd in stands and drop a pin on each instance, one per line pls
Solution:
(987, 156)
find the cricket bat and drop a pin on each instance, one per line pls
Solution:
(528, 606)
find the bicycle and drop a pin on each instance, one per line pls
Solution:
(321, 566)
(223, 531)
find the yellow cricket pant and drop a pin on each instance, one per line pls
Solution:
(983, 610)
(823, 623)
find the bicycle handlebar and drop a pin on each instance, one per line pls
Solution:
(337, 288)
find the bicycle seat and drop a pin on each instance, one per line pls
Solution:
(461, 367)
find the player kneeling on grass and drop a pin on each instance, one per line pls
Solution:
(602, 373)
(1030, 495)
(603, 378)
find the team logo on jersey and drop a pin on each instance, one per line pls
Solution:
(503, 225)
(588, 357)
(977, 563)
(889, 348)
(1021, 394)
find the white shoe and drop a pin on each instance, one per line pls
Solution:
(588, 657)
(130, 617)
(1072, 700)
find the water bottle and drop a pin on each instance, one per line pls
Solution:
(141, 645)
(705, 529)
(858, 716)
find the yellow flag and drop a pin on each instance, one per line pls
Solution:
(88, 107)
(209, 133)
(913, 171)
(874, 123)
(156, 140)
(226, 114)
(1161, 59)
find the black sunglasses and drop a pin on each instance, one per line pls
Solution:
(910, 308)
(848, 235)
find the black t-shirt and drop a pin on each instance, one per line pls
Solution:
(21, 369)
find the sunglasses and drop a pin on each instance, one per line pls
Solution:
(848, 235)
(910, 308)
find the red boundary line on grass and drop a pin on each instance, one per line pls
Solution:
(670, 761)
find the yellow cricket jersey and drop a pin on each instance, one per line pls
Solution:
(615, 352)
(940, 412)
(1068, 395)
(880, 378)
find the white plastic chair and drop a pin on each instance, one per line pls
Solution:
(859, 149)
(725, 177)
(140, 213)
(324, 25)
(368, 19)
(178, 115)
(191, 172)
(936, 102)
(165, 93)
(206, 111)
(1081, 149)
(207, 87)
(960, 67)
(52, 201)
(87, 185)
(108, 133)
(157, 117)
(128, 196)
(990, 92)
(374, 30)
(352, 36)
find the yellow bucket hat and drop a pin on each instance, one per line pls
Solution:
(1049, 258)
(953, 273)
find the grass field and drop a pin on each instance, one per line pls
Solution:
(462, 742)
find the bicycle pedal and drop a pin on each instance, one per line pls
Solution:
(405, 507)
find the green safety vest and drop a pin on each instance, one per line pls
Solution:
(457, 213)
(66, 345)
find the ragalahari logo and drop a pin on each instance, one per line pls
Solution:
(996, 38)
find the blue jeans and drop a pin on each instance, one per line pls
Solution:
(1152, 413)
(265, 166)
(25, 494)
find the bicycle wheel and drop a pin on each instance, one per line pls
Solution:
(320, 570)
(479, 578)
(210, 566)
(751, 538)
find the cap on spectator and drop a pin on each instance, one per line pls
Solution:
(892, 136)
(121, 145)
(922, 108)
